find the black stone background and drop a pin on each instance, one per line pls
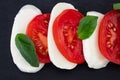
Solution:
(8, 71)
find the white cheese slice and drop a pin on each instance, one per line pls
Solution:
(92, 54)
(24, 16)
(55, 56)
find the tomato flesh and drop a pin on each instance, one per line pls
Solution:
(37, 31)
(109, 36)
(65, 35)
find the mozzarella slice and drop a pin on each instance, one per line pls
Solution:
(92, 54)
(24, 16)
(55, 56)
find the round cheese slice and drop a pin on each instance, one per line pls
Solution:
(24, 16)
(92, 54)
(55, 56)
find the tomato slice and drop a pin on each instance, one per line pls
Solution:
(37, 31)
(65, 35)
(109, 36)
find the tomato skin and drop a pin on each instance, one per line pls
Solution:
(65, 35)
(109, 36)
(37, 30)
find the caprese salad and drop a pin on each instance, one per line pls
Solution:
(65, 37)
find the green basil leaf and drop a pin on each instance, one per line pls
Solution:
(27, 49)
(116, 6)
(87, 26)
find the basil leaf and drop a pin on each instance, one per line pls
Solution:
(27, 49)
(116, 6)
(87, 26)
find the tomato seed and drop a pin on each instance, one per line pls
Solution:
(110, 25)
(45, 21)
(72, 47)
(65, 34)
(108, 42)
(114, 29)
(108, 35)
(65, 27)
(109, 45)
(40, 47)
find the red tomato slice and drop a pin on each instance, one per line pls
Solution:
(37, 31)
(109, 36)
(65, 35)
